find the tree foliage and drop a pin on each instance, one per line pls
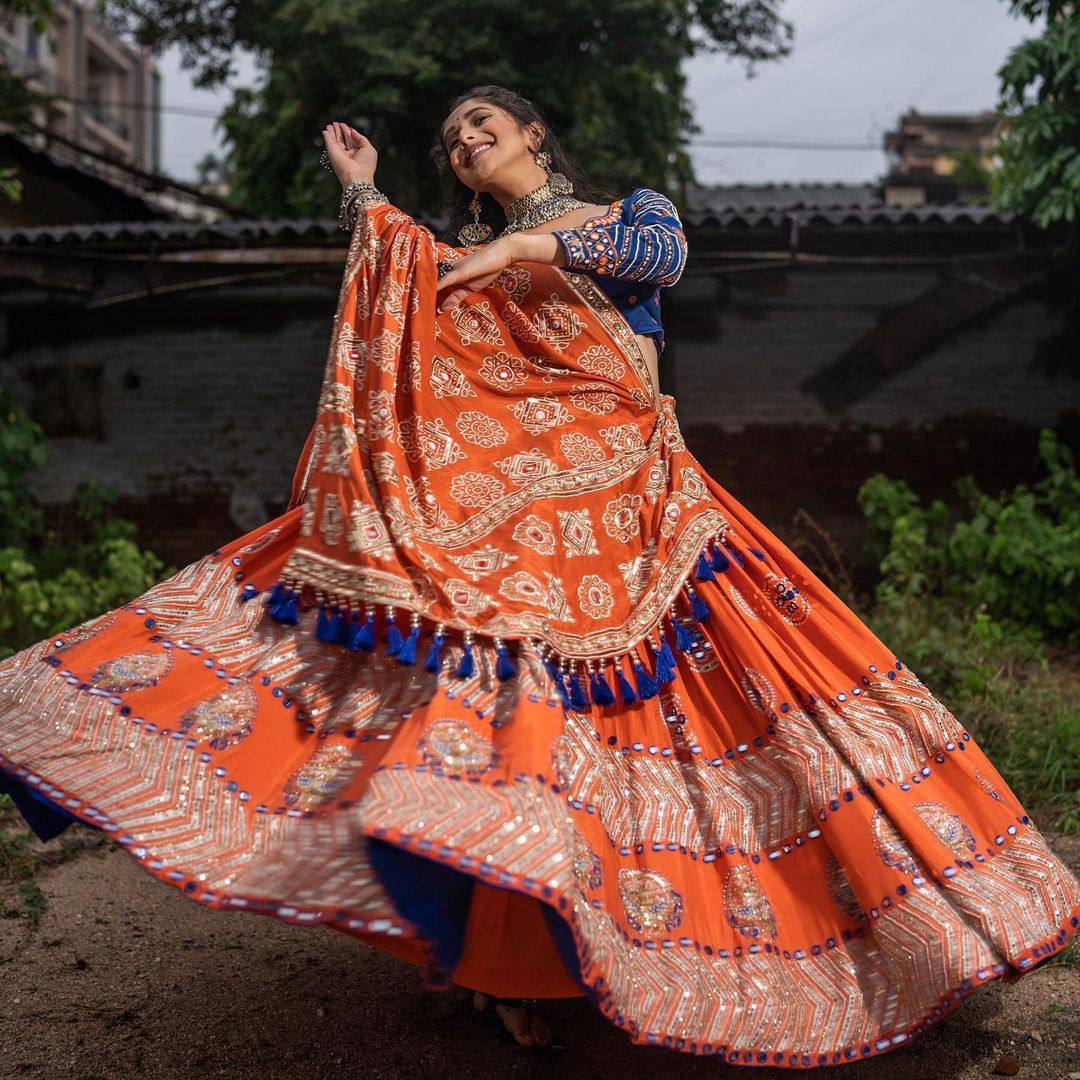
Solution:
(1039, 173)
(607, 73)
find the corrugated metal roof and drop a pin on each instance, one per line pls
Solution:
(955, 215)
(707, 210)
(118, 232)
(719, 198)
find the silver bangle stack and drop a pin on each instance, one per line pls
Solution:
(359, 193)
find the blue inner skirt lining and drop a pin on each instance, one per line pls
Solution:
(433, 897)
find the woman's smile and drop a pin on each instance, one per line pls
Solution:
(474, 151)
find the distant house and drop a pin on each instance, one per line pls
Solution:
(107, 89)
(931, 157)
(66, 184)
(59, 187)
(817, 335)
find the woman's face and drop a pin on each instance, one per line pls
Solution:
(481, 139)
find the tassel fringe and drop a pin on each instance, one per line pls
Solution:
(466, 667)
(407, 652)
(505, 668)
(601, 689)
(434, 658)
(578, 684)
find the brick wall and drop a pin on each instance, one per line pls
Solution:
(194, 407)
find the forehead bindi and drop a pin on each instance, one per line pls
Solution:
(454, 126)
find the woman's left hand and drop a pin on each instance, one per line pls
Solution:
(475, 271)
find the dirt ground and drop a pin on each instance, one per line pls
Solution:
(124, 977)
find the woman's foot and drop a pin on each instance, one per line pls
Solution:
(527, 1028)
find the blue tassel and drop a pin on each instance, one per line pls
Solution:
(394, 640)
(349, 630)
(665, 648)
(684, 640)
(434, 656)
(601, 689)
(720, 562)
(325, 626)
(407, 652)
(560, 685)
(704, 571)
(665, 663)
(276, 595)
(757, 554)
(699, 607)
(646, 687)
(362, 635)
(288, 610)
(249, 593)
(577, 693)
(344, 628)
(627, 691)
(505, 668)
(737, 555)
(466, 667)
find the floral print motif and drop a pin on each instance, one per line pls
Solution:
(504, 371)
(595, 596)
(480, 429)
(594, 398)
(476, 488)
(622, 517)
(580, 450)
(536, 533)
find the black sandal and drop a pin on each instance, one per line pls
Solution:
(490, 1017)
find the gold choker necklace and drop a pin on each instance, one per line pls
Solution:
(550, 200)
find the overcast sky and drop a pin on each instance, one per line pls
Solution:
(857, 64)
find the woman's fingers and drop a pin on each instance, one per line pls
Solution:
(340, 136)
(452, 299)
(462, 290)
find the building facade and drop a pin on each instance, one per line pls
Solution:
(107, 91)
(934, 158)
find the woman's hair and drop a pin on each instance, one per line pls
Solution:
(456, 196)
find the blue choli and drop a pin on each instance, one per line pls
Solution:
(631, 252)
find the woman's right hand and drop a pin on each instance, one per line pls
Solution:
(351, 154)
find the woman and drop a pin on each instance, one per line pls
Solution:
(517, 692)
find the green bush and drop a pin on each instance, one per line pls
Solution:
(1014, 557)
(981, 603)
(53, 579)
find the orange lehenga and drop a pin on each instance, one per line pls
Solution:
(517, 692)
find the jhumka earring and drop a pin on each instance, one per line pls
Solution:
(556, 181)
(475, 232)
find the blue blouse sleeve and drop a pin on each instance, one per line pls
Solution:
(650, 247)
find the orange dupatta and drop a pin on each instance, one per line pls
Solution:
(500, 468)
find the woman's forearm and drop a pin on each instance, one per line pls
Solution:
(537, 247)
